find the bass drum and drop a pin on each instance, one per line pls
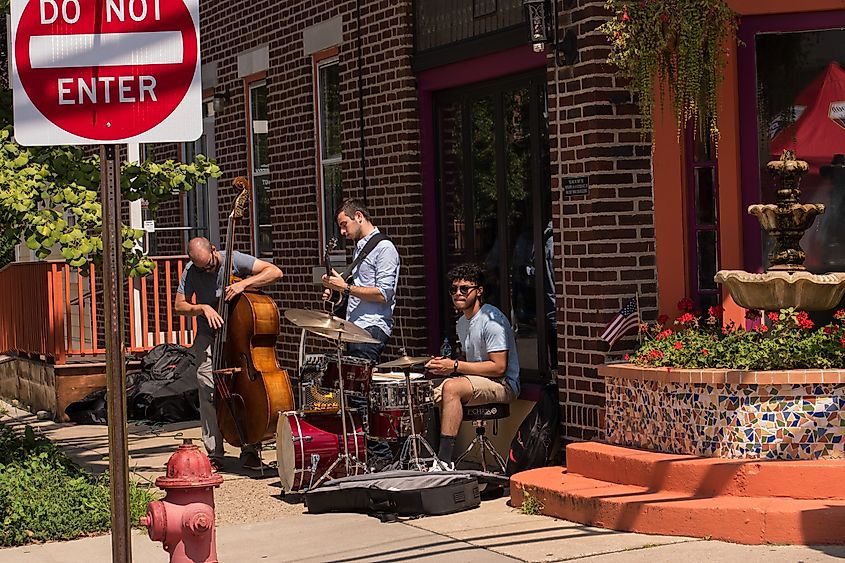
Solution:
(307, 446)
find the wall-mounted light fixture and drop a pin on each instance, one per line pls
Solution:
(538, 27)
(221, 100)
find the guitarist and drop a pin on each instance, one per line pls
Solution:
(370, 288)
(203, 278)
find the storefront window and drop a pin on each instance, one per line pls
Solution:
(801, 106)
(258, 125)
(328, 110)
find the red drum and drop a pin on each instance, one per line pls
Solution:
(388, 415)
(356, 372)
(307, 445)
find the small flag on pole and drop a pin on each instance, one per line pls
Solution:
(627, 318)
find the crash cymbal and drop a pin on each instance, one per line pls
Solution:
(405, 362)
(326, 324)
(348, 333)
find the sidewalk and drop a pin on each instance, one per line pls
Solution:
(256, 524)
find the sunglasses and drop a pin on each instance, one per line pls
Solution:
(212, 263)
(464, 289)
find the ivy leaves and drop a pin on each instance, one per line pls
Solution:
(680, 44)
(49, 198)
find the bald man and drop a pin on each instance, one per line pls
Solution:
(203, 277)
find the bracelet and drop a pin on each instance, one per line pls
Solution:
(455, 368)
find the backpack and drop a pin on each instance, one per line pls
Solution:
(167, 361)
(536, 437)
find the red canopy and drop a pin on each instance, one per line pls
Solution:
(819, 132)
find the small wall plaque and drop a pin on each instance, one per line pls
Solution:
(579, 185)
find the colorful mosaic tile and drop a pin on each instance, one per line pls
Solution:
(790, 421)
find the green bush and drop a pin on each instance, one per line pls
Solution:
(44, 496)
(789, 341)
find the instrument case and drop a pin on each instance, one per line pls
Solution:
(396, 493)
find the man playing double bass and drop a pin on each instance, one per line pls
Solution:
(203, 278)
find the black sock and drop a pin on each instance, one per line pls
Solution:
(447, 444)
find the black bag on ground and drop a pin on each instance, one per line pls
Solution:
(392, 494)
(535, 439)
(89, 410)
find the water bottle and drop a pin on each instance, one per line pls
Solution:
(446, 348)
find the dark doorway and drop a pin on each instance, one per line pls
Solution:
(495, 201)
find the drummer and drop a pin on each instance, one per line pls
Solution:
(371, 292)
(490, 371)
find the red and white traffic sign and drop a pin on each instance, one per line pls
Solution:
(106, 71)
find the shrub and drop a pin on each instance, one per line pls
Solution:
(789, 340)
(44, 496)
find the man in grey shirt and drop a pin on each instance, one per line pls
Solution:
(203, 278)
(490, 371)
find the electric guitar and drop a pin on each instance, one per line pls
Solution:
(336, 299)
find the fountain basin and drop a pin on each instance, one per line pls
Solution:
(775, 290)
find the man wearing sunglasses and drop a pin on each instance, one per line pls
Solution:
(489, 373)
(203, 278)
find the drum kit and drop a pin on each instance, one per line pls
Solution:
(327, 437)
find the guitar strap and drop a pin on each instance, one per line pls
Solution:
(371, 244)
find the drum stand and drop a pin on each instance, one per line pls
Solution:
(411, 447)
(348, 460)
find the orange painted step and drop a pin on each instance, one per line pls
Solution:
(742, 519)
(704, 476)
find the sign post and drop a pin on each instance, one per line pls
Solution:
(108, 72)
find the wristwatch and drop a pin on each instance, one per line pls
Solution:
(347, 289)
(455, 368)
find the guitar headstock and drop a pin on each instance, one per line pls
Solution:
(331, 246)
(243, 197)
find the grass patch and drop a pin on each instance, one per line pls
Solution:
(531, 505)
(45, 496)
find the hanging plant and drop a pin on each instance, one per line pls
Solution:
(681, 44)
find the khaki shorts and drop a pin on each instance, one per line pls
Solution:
(484, 390)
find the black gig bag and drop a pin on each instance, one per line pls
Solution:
(390, 494)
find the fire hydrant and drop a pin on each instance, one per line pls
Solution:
(184, 520)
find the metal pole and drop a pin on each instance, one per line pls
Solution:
(121, 540)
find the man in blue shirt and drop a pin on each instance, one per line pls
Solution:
(372, 298)
(490, 371)
(203, 278)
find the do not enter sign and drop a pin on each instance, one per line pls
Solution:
(106, 71)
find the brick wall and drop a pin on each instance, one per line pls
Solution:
(390, 127)
(606, 250)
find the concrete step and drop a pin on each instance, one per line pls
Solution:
(626, 507)
(707, 477)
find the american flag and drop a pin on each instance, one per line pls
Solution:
(627, 318)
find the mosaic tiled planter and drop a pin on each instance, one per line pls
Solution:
(791, 414)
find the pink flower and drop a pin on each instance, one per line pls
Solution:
(626, 357)
(678, 345)
(625, 16)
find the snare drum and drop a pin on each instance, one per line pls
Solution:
(306, 445)
(321, 370)
(388, 416)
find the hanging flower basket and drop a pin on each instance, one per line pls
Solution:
(680, 44)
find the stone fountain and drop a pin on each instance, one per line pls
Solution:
(786, 283)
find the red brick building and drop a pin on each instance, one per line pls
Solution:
(464, 142)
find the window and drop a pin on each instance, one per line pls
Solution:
(259, 157)
(329, 160)
(196, 207)
(703, 198)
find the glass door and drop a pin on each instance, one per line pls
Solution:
(495, 201)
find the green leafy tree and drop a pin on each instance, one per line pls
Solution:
(49, 196)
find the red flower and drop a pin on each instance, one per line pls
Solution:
(774, 317)
(715, 311)
(626, 357)
(662, 319)
(704, 352)
(762, 328)
(686, 318)
(828, 329)
(678, 345)
(686, 304)
(664, 334)
(806, 324)
(625, 16)
(842, 342)
(839, 315)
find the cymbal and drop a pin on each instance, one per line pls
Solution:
(329, 326)
(405, 362)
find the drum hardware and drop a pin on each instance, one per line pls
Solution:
(411, 448)
(340, 331)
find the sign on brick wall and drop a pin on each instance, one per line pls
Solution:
(106, 71)
(576, 186)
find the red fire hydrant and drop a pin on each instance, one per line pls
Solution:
(184, 520)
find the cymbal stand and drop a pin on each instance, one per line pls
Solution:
(348, 460)
(414, 441)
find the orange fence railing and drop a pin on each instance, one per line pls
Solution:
(52, 310)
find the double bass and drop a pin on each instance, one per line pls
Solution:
(251, 387)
